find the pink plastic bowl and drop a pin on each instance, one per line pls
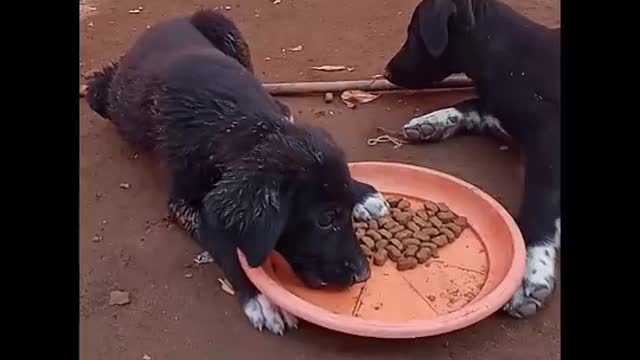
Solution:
(472, 278)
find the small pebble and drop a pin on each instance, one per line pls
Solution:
(328, 97)
(119, 298)
(125, 186)
(188, 275)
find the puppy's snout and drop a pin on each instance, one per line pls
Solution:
(362, 272)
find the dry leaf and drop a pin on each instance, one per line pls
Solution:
(125, 186)
(227, 7)
(135, 11)
(330, 68)
(277, 1)
(353, 97)
(203, 258)
(297, 48)
(146, 357)
(119, 298)
(226, 286)
(83, 90)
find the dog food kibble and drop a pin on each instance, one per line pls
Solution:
(450, 235)
(373, 225)
(409, 237)
(380, 257)
(440, 240)
(446, 216)
(368, 242)
(407, 263)
(374, 235)
(411, 250)
(394, 253)
(381, 244)
(403, 204)
(412, 226)
(385, 234)
(436, 222)
(461, 221)
(411, 241)
(397, 243)
(403, 234)
(367, 252)
(423, 255)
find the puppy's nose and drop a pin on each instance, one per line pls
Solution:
(363, 275)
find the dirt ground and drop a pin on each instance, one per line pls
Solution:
(178, 312)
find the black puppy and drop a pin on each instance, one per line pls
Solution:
(515, 64)
(244, 177)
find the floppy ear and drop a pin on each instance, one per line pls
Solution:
(251, 210)
(433, 19)
(464, 14)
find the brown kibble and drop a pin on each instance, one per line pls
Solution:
(407, 263)
(422, 214)
(442, 206)
(450, 235)
(430, 245)
(397, 243)
(411, 241)
(446, 216)
(373, 225)
(440, 240)
(423, 255)
(367, 252)
(430, 207)
(383, 220)
(393, 253)
(436, 222)
(360, 233)
(419, 221)
(396, 229)
(360, 225)
(404, 204)
(455, 228)
(385, 233)
(402, 217)
(380, 257)
(381, 244)
(394, 200)
(374, 235)
(390, 224)
(395, 211)
(427, 233)
(411, 250)
(422, 236)
(412, 226)
(461, 221)
(368, 242)
(403, 234)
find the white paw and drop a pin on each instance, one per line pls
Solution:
(437, 125)
(372, 207)
(538, 282)
(263, 314)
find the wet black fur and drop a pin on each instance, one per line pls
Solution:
(244, 177)
(515, 64)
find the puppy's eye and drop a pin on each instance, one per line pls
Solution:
(327, 218)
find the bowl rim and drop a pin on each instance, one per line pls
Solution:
(456, 320)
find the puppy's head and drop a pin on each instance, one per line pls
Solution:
(427, 55)
(293, 194)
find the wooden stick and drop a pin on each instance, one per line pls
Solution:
(301, 88)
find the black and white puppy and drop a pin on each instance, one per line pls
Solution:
(515, 64)
(244, 176)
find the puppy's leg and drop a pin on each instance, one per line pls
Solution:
(539, 221)
(442, 124)
(260, 311)
(370, 204)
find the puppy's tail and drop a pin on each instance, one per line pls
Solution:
(98, 89)
(223, 34)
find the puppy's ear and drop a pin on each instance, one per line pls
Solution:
(433, 20)
(464, 14)
(252, 211)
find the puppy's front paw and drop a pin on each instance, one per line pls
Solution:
(372, 207)
(263, 314)
(434, 126)
(537, 285)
